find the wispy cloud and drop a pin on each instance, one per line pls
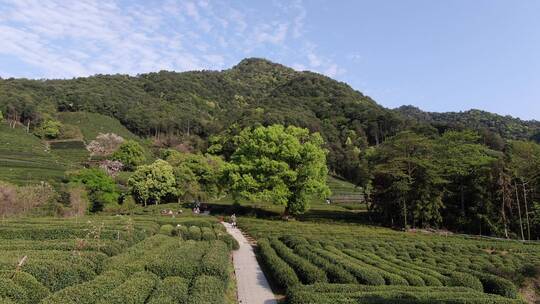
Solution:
(78, 38)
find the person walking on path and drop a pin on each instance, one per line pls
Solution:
(233, 220)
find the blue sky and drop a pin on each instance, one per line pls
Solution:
(447, 55)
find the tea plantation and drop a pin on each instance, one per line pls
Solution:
(24, 159)
(344, 263)
(115, 260)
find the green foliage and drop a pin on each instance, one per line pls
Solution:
(49, 129)
(87, 292)
(196, 175)
(389, 266)
(282, 274)
(281, 165)
(307, 272)
(131, 154)
(133, 291)
(102, 190)
(166, 229)
(505, 126)
(24, 159)
(151, 183)
(171, 291)
(407, 186)
(207, 289)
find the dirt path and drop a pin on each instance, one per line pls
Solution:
(253, 288)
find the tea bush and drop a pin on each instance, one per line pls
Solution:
(379, 265)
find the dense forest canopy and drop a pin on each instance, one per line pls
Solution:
(472, 171)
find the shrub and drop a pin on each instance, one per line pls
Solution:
(306, 271)
(8, 289)
(194, 233)
(216, 262)
(87, 292)
(133, 291)
(130, 153)
(207, 290)
(183, 231)
(172, 290)
(335, 273)
(364, 275)
(166, 230)
(102, 190)
(283, 275)
(49, 129)
(56, 275)
(231, 242)
(35, 291)
(465, 280)
(207, 234)
(497, 285)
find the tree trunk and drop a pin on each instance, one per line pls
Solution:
(404, 214)
(462, 198)
(503, 213)
(526, 211)
(519, 211)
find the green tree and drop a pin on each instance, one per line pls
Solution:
(151, 183)
(197, 175)
(277, 164)
(131, 154)
(407, 185)
(49, 129)
(524, 161)
(102, 191)
(1, 117)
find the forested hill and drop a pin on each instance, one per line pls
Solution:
(506, 126)
(188, 107)
(198, 104)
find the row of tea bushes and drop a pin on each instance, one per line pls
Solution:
(338, 293)
(378, 257)
(201, 233)
(112, 260)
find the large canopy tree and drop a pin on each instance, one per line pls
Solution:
(408, 187)
(277, 164)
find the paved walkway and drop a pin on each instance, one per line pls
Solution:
(253, 288)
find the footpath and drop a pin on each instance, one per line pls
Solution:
(253, 288)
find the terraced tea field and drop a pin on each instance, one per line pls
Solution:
(333, 263)
(24, 159)
(115, 260)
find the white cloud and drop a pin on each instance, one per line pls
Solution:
(62, 39)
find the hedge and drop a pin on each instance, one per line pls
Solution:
(216, 261)
(88, 292)
(231, 242)
(306, 271)
(364, 275)
(35, 291)
(173, 290)
(335, 273)
(133, 291)
(56, 275)
(207, 234)
(497, 285)
(166, 229)
(10, 290)
(465, 280)
(194, 233)
(283, 275)
(207, 290)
